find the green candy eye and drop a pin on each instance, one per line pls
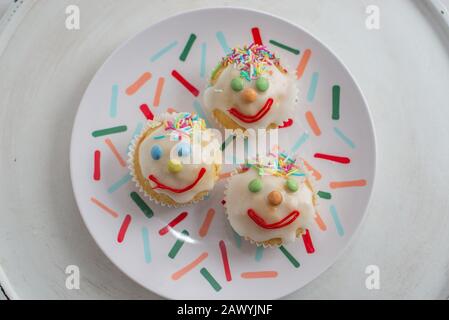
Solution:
(237, 84)
(255, 185)
(262, 84)
(292, 185)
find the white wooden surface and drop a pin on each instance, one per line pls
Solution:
(403, 70)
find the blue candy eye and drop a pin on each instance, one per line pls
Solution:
(156, 152)
(183, 149)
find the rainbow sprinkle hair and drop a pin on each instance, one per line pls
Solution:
(280, 165)
(252, 61)
(184, 123)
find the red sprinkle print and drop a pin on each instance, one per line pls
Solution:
(308, 242)
(286, 124)
(97, 171)
(256, 36)
(224, 257)
(330, 157)
(146, 111)
(223, 202)
(185, 83)
(173, 223)
(123, 228)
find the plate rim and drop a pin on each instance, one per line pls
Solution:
(250, 10)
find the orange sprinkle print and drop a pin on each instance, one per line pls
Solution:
(157, 94)
(345, 184)
(115, 152)
(178, 274)
(225, 175)
(319, 221)
(312, 123)
(138, 83)
(315, 172)
(206, 223)
(259, 274)
(303, 63)
(104, 207)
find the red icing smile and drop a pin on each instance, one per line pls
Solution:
(252, 118)
(280, 224)
(160, 185)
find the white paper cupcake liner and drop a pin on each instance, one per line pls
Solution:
(311, 181)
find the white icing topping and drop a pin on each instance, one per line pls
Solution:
(189, 172)
(239, 199)
(282, 90)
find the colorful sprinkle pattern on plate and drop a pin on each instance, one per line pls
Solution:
(193, 252)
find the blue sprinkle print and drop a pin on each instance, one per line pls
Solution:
(343, 137)
(199, 110)
(238, 239)
(113, 104)
(146, 245)
(124, 180)
(136, 132)
(301, 140)
(222, 40)
(259, 253)
(203, 60)
(163, 51)
(312, 88)
(337, 222)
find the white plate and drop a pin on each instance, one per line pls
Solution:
(143, 253)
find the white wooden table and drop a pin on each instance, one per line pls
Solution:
(402, 68)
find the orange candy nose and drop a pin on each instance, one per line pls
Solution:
(274, 198)
(249, 95)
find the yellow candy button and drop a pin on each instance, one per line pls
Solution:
(174, 165)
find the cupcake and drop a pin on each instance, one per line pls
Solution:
(175, 160)
(270, 203)
(249, 88)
